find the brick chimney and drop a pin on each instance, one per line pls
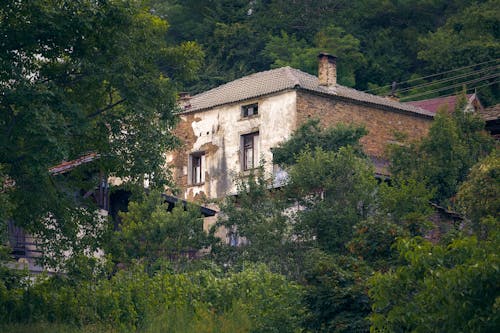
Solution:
(184, 100)
(327, 69)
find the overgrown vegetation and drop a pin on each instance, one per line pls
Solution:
(332, 250)
(253, 300)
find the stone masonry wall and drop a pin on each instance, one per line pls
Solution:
(217, 132)
(381, 124)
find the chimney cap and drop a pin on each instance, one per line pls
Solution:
(328, 55)
(183, 95)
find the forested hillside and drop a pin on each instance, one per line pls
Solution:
(377, 42)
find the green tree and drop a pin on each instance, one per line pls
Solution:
(479, 196)
(152, 234)
(406, 202)
(256, 219)
(442, 159)
(79, 77)
(334, 190)
(313, 136)
(336, 293)
(468, 37)
(439, 288)
(288, 51)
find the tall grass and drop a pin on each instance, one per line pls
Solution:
(188, 319)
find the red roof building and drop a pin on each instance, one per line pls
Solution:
(434, 104)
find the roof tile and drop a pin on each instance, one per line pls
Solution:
(285, 78)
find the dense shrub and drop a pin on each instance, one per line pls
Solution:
(255, 300)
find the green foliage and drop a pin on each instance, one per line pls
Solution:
(199, 318)
(256, 218)
(311, 135)
(335, 190)
(479, 196)
(470, 36)
(377, 42)
(443, 158)
(130, 300)
(406, 202)
(336, 293)
(286, 50)
(150, 233)
(373, 241)
(79, 77)
(439, 288)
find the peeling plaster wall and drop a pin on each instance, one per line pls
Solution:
(218, 131)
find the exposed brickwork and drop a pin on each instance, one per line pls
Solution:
(184, 131)
(381, 124)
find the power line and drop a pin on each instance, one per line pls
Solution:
(471, 88)
(485, 85)
(433, 75)
(453, 86)
(422, 85)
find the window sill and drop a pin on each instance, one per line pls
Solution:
(196, 184)
(249, 117)
(248, 172)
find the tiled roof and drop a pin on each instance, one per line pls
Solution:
(282, 79)
(491, 113)
(69, 165)
(433, 104)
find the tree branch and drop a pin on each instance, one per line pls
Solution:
(108, 107)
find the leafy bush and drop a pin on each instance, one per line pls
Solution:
(131, 300)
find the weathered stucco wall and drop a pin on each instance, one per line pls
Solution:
(217, 132)
(381, 124)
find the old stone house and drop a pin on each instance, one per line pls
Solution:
(228, 130)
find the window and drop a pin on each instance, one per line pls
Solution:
(250, 110)
(197, 168)
(249, 144)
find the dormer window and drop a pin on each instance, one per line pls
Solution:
(250, 110)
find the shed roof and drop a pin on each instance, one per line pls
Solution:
(287, 78)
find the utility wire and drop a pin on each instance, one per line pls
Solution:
(433, 75)
(453, 86)
(469, 89)
(485, 85)
(426, 84)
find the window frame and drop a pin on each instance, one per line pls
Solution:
(245, 108)
(247, 146)
(197, 161)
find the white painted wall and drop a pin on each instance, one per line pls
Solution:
(223, 127)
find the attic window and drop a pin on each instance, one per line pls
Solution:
(250, 110)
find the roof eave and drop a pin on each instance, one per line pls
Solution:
(184, 112)
(357, 101)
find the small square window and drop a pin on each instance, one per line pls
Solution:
(197, 168)
(250, 110)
